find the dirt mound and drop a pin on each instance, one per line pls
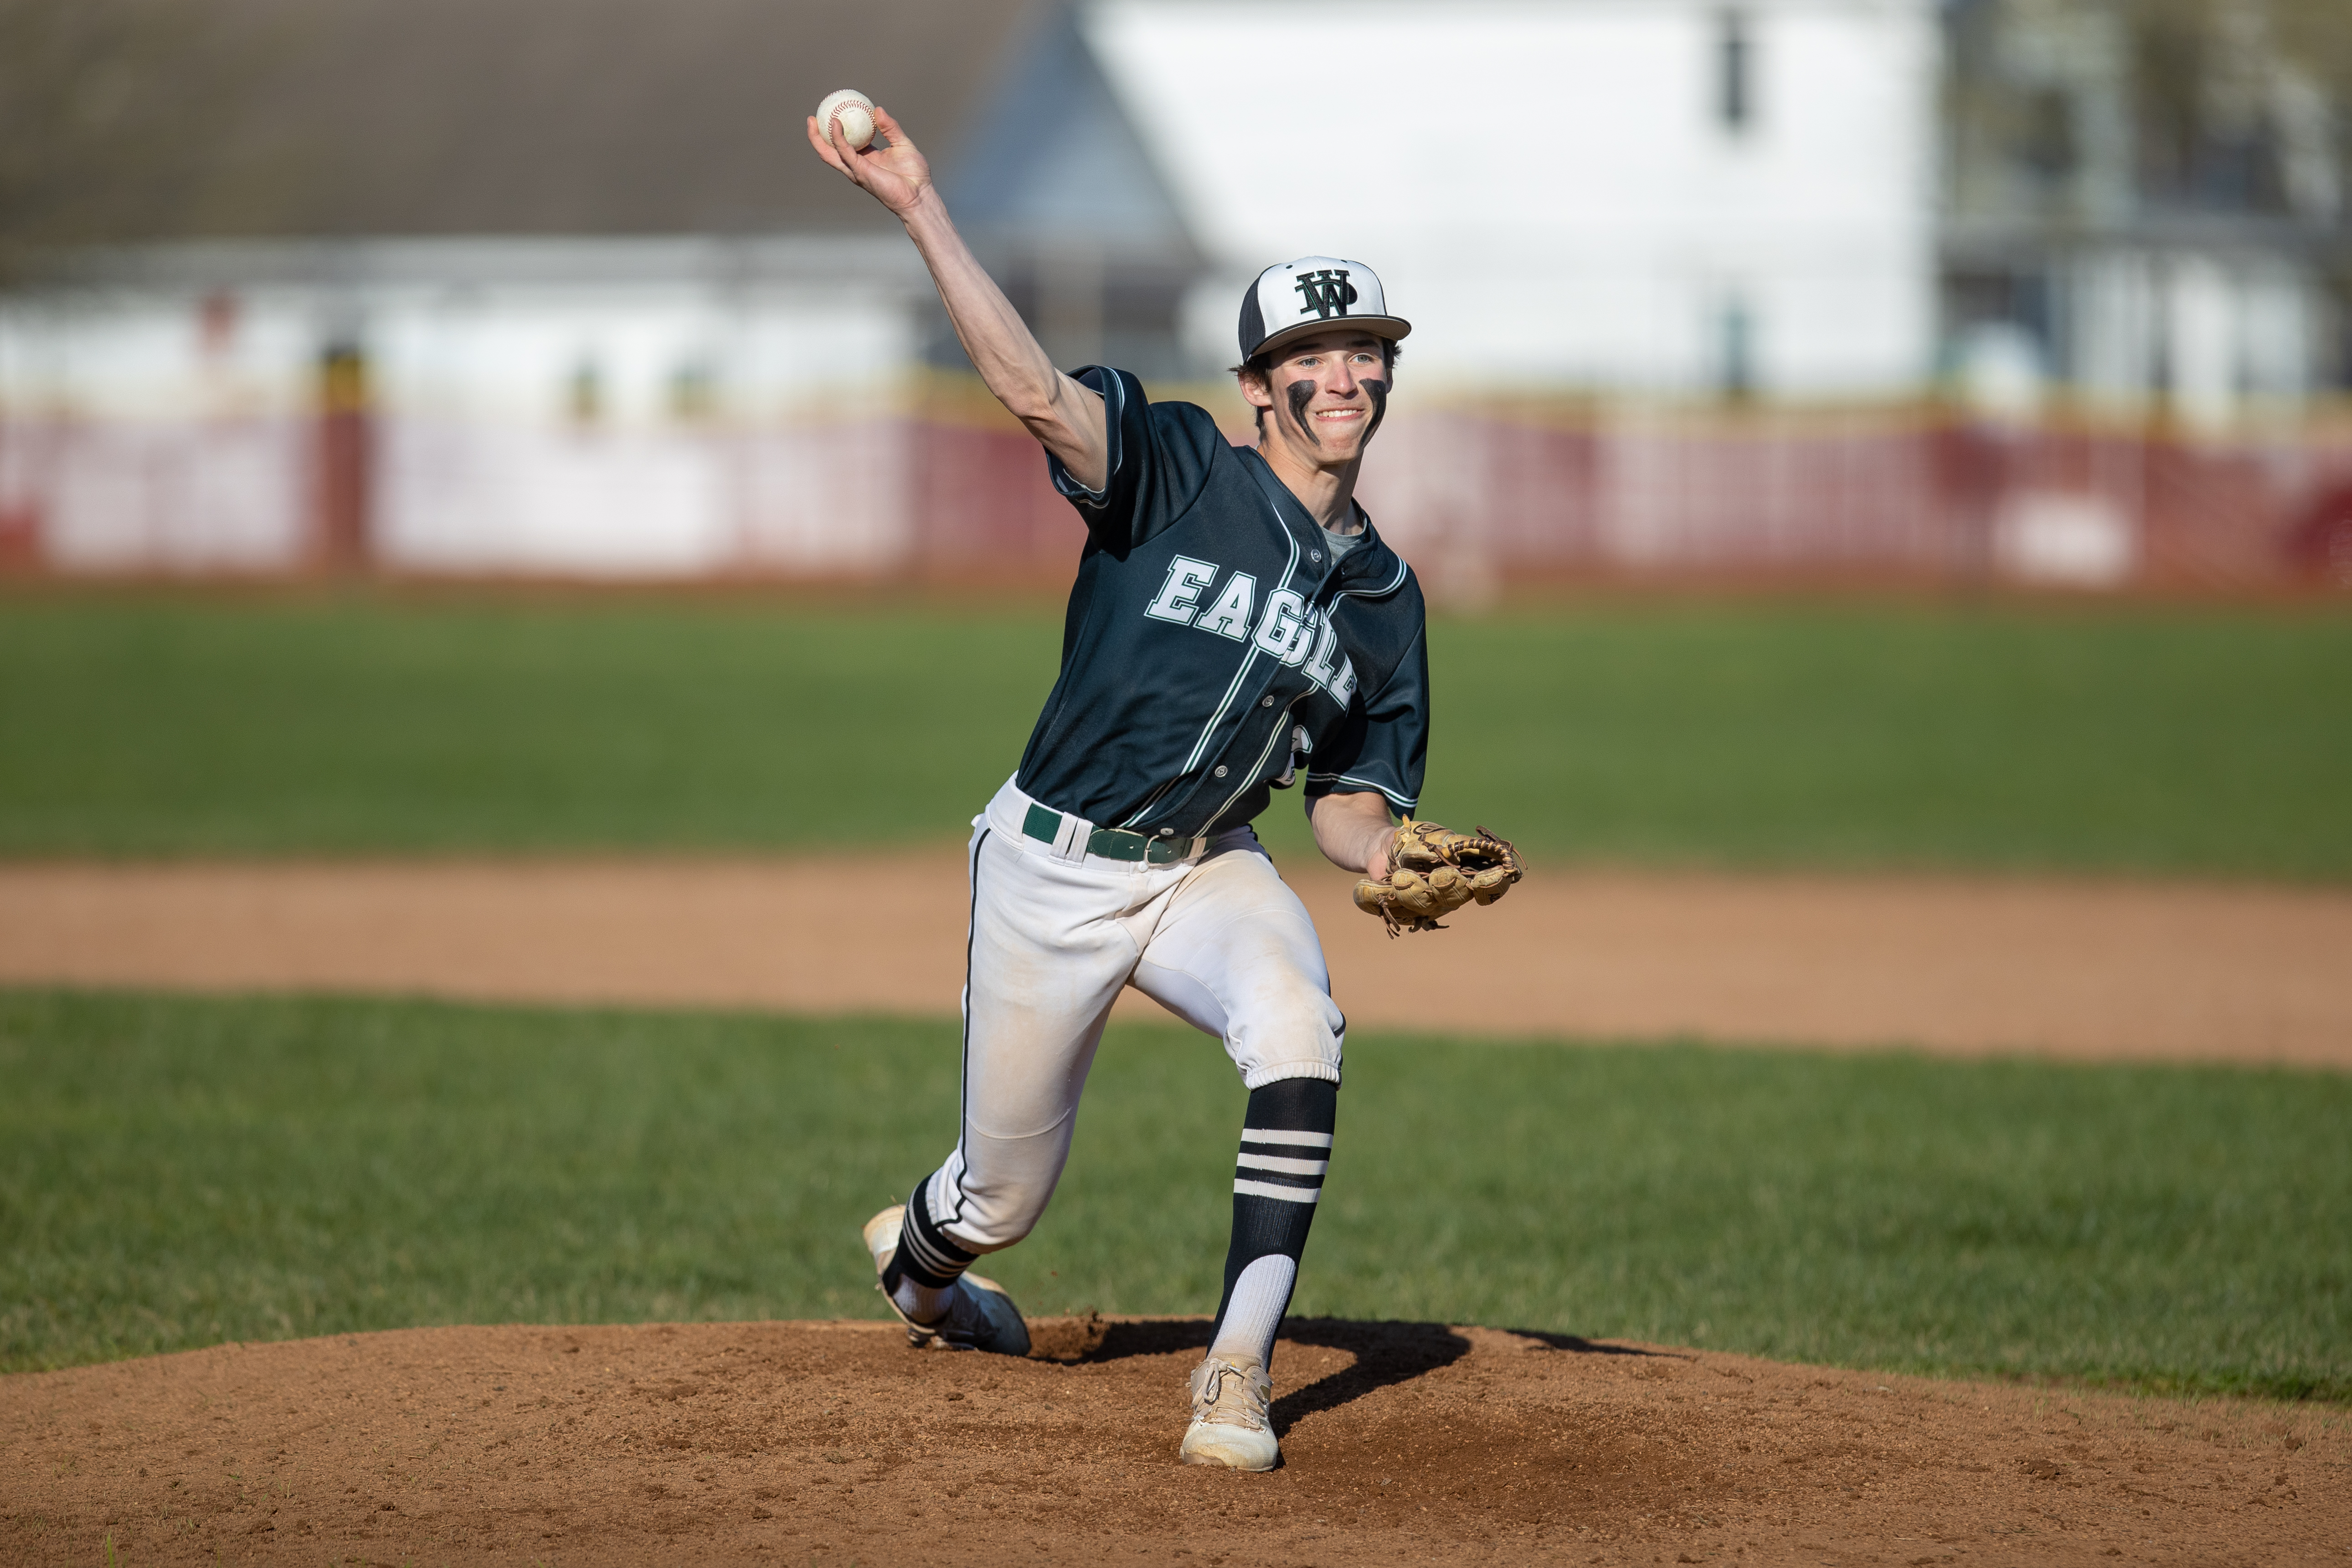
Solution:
(2152, 971)
(1403, 1443)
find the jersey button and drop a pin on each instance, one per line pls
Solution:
(1267, 701)
(1315, 556)
(1221, 770)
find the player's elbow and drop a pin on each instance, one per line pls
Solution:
(1044, 402)
(1054, 435)
(1033, 405)
(1088, 460)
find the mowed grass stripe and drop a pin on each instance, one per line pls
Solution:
(176, 1171)
(2175, 738)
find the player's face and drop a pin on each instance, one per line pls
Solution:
(1326, 395)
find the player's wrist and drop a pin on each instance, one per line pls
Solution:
(925, 212)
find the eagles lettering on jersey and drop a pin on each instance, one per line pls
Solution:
(1288, 629)
(1211, 642)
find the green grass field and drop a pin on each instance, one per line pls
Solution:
(178, 1171)
(174, 1173)
(2195, 739)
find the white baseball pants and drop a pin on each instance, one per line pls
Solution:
(1219, 939)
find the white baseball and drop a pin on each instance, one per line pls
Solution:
(856, 114)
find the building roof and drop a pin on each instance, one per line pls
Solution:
(322, 118)
(1051, 155)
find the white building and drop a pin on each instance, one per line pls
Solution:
(1684, 274)
(1644, 195)
(1629, 195)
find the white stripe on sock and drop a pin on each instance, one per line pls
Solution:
(928, 1259)
(1281, 1135)
(1287, 1167)
(1254, 1314)
(1268, 1190)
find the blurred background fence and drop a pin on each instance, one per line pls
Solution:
(2049, 291)
(337, 463)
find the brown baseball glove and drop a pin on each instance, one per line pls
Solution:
(1434, 871)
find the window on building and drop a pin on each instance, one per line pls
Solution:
(1735, 365)
(1735, 72)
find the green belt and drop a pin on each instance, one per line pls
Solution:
(1045, 825)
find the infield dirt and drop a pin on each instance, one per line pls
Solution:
(2118, 969)
(1403, 1443)
(831, 1442)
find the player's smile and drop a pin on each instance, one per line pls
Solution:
(1346, 424)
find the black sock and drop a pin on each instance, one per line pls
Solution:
(1289, 1121)
(924, 1255)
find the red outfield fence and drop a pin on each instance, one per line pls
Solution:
(1476, 498)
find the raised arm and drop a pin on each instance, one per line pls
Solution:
(1066, 417)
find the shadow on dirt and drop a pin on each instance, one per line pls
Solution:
(1386, 1354)
(1107, 1340)
(1588, 1347)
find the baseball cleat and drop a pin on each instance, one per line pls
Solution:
(1231, 1425)
(979, 1315)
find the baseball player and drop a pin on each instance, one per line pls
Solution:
(1236, 626)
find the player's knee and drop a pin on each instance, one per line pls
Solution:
(1305, 1013)
(1296, 1033)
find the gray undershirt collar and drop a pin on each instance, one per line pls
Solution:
(1342, 543)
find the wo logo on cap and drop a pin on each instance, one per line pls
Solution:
(1328, 292)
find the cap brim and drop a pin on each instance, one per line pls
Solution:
(1390, 327)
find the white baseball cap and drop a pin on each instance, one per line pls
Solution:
(1296, 297)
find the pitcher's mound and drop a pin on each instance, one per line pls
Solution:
(792, 1443)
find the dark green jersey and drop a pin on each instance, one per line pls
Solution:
(1213, 649)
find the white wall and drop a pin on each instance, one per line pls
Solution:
(483, 464)
(591, 408)
(149, 433)
(1547, 189)
(660, 429)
